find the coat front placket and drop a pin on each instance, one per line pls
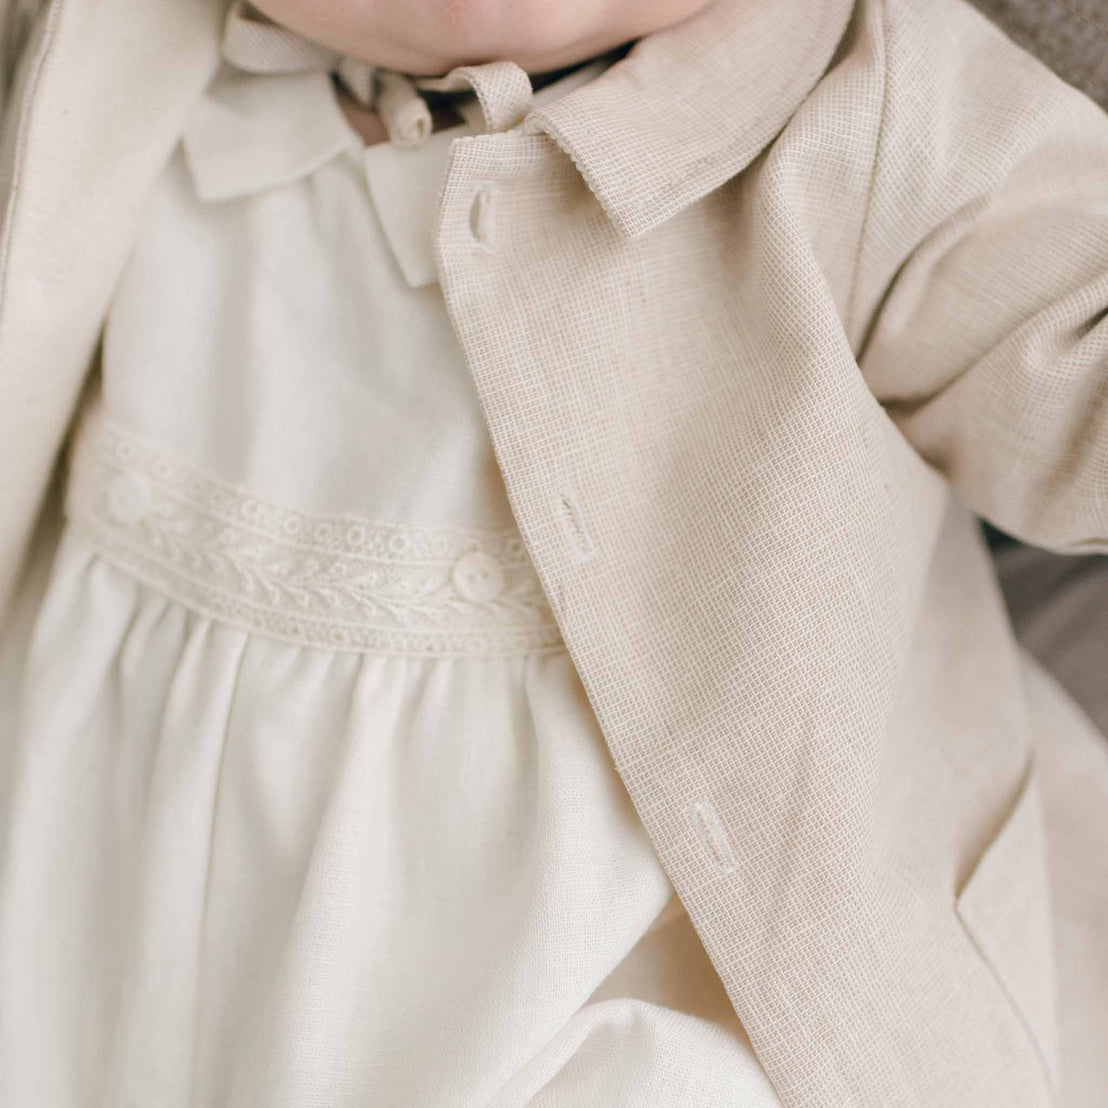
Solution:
(738, 625)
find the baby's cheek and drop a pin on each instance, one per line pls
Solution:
(319, 20)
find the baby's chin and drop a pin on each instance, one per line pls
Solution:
(431, 37)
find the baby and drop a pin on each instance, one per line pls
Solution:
(520, 632)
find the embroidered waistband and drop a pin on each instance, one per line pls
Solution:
(343, 583)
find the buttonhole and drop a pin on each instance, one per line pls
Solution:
(481, 223)
(713, 836)
(573, 524)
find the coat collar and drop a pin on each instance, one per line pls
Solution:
(686, 109)
(691, 106)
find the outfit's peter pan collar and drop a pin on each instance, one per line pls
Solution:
(252, 132)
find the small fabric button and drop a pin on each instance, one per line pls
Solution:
(478, 576)
(127, 498)
(481, 215)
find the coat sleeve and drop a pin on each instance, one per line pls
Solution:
(981, 293)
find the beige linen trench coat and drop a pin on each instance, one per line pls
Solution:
(759, 320)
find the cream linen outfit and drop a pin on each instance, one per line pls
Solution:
(309, 807)
(760, 318)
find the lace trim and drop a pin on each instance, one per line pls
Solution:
(343, 583)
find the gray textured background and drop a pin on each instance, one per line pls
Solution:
(1071, 36)
(1059, 604)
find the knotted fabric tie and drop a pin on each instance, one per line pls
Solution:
(255, 44)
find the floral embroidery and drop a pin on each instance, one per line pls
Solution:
(344, 583)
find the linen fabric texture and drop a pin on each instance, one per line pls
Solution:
(761, 317)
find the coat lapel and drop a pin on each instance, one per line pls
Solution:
(100, 101)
